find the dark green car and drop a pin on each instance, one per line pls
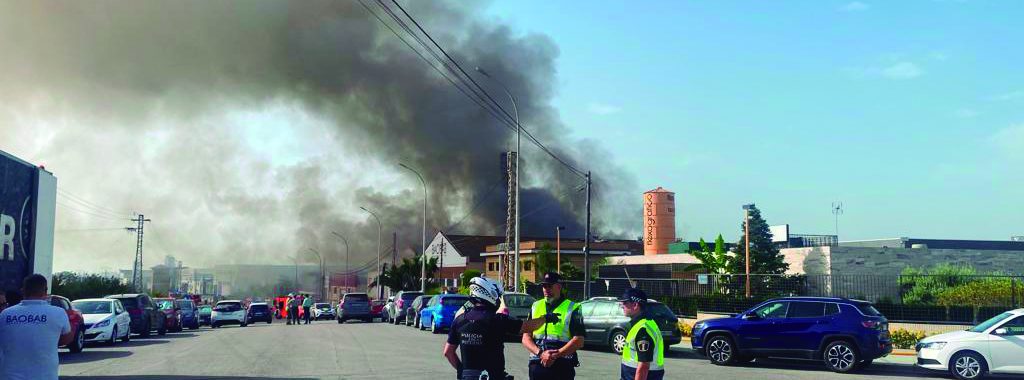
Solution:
(204, 314)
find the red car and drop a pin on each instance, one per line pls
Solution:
(77, 323)
(173, 313)
(377, 309)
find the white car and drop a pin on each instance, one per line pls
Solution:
(994, 346)
(228, 312)
(106, 320)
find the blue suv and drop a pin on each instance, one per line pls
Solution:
(846, 335)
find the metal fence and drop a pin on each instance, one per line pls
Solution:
(917, 298)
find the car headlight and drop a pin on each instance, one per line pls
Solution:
(698, 325)
(932, 345)
(103, 323)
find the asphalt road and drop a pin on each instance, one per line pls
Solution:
(326, 350)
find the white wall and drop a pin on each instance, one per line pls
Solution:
(46, 209)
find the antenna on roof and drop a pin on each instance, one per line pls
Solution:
(837, 209)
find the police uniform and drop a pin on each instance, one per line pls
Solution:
(479, 333)
(644, 343)
(553, 336)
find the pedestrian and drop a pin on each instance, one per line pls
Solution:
(480, 333)
(643, 356)
(30, 332)
(293, 309)
(307, 304)
(553, 346)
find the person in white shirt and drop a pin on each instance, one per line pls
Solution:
(30, 333)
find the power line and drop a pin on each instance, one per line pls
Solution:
(90, 213)
(89, 204)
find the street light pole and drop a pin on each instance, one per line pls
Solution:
(519, 130)
(346, 257)
(558, 247)
(423, 242)
(746, 239)
(380, 290)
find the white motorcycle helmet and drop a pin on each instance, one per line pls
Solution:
(485, 289)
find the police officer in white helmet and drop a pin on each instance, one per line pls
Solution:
(479, 333)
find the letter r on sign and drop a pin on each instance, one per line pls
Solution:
(7, 229)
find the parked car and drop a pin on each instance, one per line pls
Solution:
(205, 311)
(519, 305)
(228, 312)
(170, 310)
(412, 313)
(377, 310)
(402, 302)
(994, 346)
(607, 325)
(389, 309)
(106, 320)
(354, 306)
(145, 316)
(259, 312)
(189, 313)
(76, 320)
(846, 335)
(440, 312)
(322, 310)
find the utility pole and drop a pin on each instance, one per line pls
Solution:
(137, 267)
(423, 242)
(586, 246)
(746, 239)
(380, 269)
(558, 247)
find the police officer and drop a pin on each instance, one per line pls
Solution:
(643, 357)
(479, 333)
(553, 346)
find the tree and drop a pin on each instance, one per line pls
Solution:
(406, 276)
(717, 261)
(546, 260)
(764, 256)
(571, 272)
(77, 286)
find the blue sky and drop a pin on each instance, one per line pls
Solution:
(910, 113)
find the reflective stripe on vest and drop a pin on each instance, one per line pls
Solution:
(629, 357)
(554, 332)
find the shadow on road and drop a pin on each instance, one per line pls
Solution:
(90, 356)
(168, 377)
(878, 369)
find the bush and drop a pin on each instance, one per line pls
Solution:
(906, 339)
(686, 329)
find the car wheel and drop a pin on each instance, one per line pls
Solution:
(617, 341)
(721, 350)
(968, 366)
(269, 321)
(841, 356)
(113, 337)
(79, 342)
(127, 336)
(434, 328)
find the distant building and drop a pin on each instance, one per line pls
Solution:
(572, 252)
(459, 253)
(891, 256)
(659, 221)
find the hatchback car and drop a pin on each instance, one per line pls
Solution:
(259, 312)
(377, 309)
(402, 302)
(106, 320)
(145, 316)
(354, 306)
(994, 346)
(440, 312)
(607, 325)
(519, 305)
(171, 312)
(228, 312)
(412, 312)
(76, 320)
(205, 311)
(846, 335)
(322, 310)
(189, 313)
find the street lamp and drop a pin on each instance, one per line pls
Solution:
(423, 242)
(380, 293)
(746, 239)
(558, 247)
(519, 130)
(346, 255)
(321, 281)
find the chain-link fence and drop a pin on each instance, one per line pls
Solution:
(917, 298)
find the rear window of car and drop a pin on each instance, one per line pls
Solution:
(868, 310)
(228, 306)
(164, 305)
(258, 307)
(518, 300)
(93, 307)
(129, 303)
(800, 309)
(184, 305)
(357, 297)
(454, 301)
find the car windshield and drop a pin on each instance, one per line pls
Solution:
(93, 307)
(518, 300)
(408, 297)
(323, 306)
(357, 298)
(258, 308)
(868, 310)
(165, 305)
(228, 306)
(129, 303)
(205, 308)
(981, 327)
(454, 301)
(184, 305)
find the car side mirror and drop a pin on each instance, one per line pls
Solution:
(751, 316)
(1001, 331)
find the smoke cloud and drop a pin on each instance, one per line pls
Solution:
(248, 131)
